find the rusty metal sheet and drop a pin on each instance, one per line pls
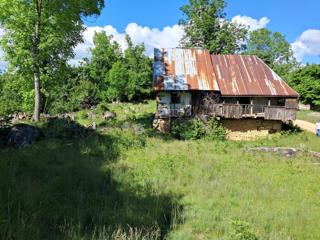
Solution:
(241, 75)
(182, 70)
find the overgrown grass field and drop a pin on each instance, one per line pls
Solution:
(309, 116)
(125, 181)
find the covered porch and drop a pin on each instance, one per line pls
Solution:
(186, 104)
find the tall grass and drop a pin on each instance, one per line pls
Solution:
(230, 192)
(59, 188)
(122, 183)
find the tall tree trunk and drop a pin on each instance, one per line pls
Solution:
(37, 97)
(36, 70)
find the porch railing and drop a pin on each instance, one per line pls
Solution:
(232, 111)
(238, 111)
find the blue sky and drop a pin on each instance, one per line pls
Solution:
(290, 17)
(154, 23)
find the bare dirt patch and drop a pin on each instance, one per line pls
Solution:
(310, 127)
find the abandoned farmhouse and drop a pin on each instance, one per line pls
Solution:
(240, 90)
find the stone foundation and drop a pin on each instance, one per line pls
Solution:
(161, 125)
(250, 129)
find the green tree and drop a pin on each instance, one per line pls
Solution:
(206, 26)
(117, 80)
(306, 81)
(40, 36)
(273, 49)
(105, 53)
(130, 78)
(139, 70)
(76, 90)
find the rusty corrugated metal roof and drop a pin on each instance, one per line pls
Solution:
(241, 75)
(183, 69)
(233, 75)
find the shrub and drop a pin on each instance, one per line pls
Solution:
(215, 130)
(127, 139)
(188, 129)
(290, 129)
(192, 129)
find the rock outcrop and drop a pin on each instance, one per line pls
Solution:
(22, 135)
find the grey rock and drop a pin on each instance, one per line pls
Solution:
(94, 126)
(315, 154)
(22, 135)
(108, 115)
(18, 117)
(287, 152)
(138, 129)
(91, 115)
(70, 116)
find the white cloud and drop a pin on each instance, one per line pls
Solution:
(168, 37)
(251, 23)
(83, 49)
(307, 44)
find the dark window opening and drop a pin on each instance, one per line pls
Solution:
(281, 102)
(175, 98)
(244, 100)
(230, 100)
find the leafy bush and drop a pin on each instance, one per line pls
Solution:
(290, 129)
(127, 139)
(215, 130)
(191, 129)
(188, 129)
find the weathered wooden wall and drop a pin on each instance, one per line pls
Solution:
(239, 111)
(283, 114)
